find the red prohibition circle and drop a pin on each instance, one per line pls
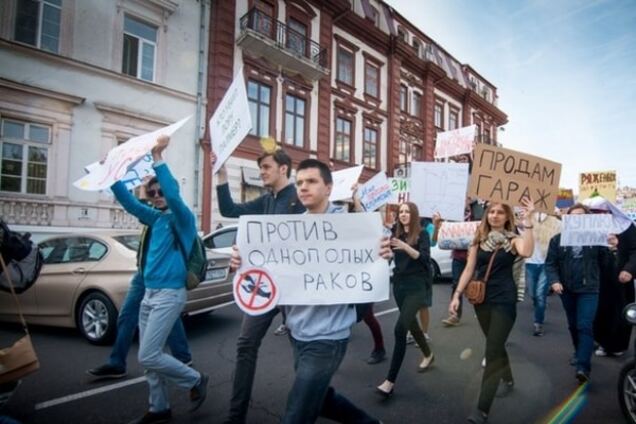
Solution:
(257, 275)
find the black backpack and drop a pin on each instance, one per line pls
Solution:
(22, 258)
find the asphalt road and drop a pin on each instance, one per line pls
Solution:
(61, 392)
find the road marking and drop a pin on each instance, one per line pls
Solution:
(87, 393)
(111, 387)
(388, 311)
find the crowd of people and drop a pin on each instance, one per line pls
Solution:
(587, 279)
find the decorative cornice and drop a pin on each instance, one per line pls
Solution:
(55, 95)
(128, 113)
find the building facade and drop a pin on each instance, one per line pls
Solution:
(77, 78)
(347, 82)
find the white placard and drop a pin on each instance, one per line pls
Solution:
(119, 161)
(439, 187)
(456, 235)
(343, 181)
(375, 192)
(400, 188)
(231, 121)
(586, 229)
(455, 142)
(317, 259)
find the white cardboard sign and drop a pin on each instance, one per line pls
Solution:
(317, 259)
(231, 121)
(120, 160)
(456, 235)
(439, 187)
(343, 181)
(375, 192)
(586, 230)
(455, 142)
(400, 189)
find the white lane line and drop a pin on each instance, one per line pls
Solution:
(110, 387)
(388, 311)
(87, 393)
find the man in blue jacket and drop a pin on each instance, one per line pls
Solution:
(164, 276)
(281, 198)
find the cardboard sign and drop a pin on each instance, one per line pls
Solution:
(456, 235)
(586, 230)
(400, 190)
(592, 184)
(507, 176)
(343, 181)
(565, 199)
(439, 187)
(375, 192)
(629, 208)
(120, 159)
(317, 259)
(231, 121)
(455, 142)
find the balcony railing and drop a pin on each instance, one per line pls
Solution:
(284, 37)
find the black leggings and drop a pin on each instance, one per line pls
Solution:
(408, 303)
(496, 321)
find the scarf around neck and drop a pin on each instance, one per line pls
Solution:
(499, 239)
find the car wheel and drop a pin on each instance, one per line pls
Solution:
(437, 273)
(97, 318)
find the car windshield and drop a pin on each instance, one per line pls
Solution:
(131, 241)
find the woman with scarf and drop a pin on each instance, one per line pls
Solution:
(412, 288)
(496, 239)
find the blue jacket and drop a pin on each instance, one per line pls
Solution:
(559, 266)
(284, 202)
(165, 267)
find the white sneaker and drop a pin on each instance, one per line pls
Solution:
(281, 330)
(600, 351)
(483, 363)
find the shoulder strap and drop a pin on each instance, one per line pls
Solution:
(7, 276)
(492, 259)
(181, 248)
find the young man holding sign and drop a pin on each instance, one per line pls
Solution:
(319, 333)
(275, 170)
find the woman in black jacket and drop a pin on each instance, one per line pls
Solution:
(574, 272)
(412, 289)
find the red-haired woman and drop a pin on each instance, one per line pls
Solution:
(412, 288)
(496, 315)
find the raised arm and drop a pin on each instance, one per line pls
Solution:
(133, 206)
(524, 245)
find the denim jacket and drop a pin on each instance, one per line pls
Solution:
(559, 266)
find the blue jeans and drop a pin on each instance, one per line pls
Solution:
(253, 329)
(315, 363)
(457, 267)
(537, 283)
(160, 309)
(127, 324)
(580, 309)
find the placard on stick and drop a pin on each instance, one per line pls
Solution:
(507, 176)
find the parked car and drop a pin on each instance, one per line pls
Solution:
(85, 278)
(222, 239)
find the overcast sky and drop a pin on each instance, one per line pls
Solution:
(565, 73)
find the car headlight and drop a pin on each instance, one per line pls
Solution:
(630, 313)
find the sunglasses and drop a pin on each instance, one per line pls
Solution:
(152, 193)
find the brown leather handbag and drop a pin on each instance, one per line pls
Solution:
(476, 289)
(20, 359)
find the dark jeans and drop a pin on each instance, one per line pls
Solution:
(409, 302)
(537, 282)
(253, 329)
(496, 321)
(580, 309)
(315, 362)
(128, 321)
(457, 267)
(376, 331)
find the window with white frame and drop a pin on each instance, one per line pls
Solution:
(37, 22)
(140, 49)
(24, 161)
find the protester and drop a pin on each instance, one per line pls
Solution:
(319, 334)
(128, 320)
(412, 289)
(495, 238)
(164, 276)
(281, 198)
(574, 273)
